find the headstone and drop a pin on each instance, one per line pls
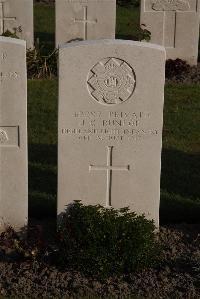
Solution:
(111, 97)
(13, 134)
(84, 20)
(174, 25)
(17, 14)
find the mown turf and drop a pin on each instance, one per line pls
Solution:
(180, 194)
(42, 129)
(128, 22)
(44, 26)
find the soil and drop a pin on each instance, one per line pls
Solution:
(177, 275)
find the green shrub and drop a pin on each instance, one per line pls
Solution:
(176, 68)
(100, 241)
(14, 33)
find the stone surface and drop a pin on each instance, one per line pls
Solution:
(13, 133)
(110, 124)
(174, 25)
(15, 14)
(84, 20)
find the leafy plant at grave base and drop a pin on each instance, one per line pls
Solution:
(144, 34)
(135, 3)
(16, 246)
(14, 33)
(176, 68)
(100, 241)
(40, 66)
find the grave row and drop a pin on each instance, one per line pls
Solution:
(109, 127)
(172, 24)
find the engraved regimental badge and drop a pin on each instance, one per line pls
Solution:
(111, 81)
(3, 137)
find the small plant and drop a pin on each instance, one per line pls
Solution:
(14, 33)
(101, 241)
(40, 66)
(176, 68)
(144, 34)
(26, 244)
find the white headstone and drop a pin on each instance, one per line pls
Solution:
(111, 97)
(84, 20)
(13, 134)
(17, 14)
(174, 25)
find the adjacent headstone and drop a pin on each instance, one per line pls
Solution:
(174, 25)
(84, 20)
(17, 14)
(110, 124)
(13, 134)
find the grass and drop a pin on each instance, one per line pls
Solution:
(180, 177)
(44, 25)
(128, 22)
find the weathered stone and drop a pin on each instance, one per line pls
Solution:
(110, 124)
(84, 20)
(174, 25)
(13, 134)
(17, 14)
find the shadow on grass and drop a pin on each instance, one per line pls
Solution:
(42, 180)
(180, 187)
(176, 209)
(47, 40)
(180, 173)
(43, 153)
(127, 37)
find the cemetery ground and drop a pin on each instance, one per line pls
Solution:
(178, 275)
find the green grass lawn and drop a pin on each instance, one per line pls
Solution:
(44, 25)
(180, 178)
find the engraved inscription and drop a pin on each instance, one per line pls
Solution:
(3, 19)
(9, 75)
(111, 126)
(3, 56)
(171, 5)
(109, 168)
(85, 22)
(3, 137)
(111, 81)
(9, 136)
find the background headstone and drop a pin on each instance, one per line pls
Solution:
(18, 14)
(174, 25)
(84, 20)
(111, 97)
(13, 133)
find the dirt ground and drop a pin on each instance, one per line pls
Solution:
(177, 275)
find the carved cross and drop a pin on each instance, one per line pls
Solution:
(3, 18)
(85, 21)
(109, 168)
(170, 10)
